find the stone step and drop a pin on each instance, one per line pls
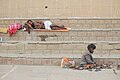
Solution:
(50, 61)
(58, 47)
(72, 35)
(74, 23)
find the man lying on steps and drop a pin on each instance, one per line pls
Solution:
(48, 25)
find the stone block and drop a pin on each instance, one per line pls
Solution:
(23, 38)
(3, 51)
(9, 60)
(3, 47)
(69, 46)
(115, 52)
(20, 46)
(12, 47)
(90, 34)
(12, 21)
(115, 38)
(6, 38)
(2, 22)
(73, 33)
(92, 38)
(28, 51)
(12, 51)
(16, 60)
(46, 61)
(82, 34)
(104, 34)
(107, 47)
(100, 39)
(114, 21)
(28, 39)
(112, 33)
(14, 38)
(41, 47)
(97, 34)
(34, 38)
(119, 61)
(20, 51)
(116, 47)
(81, 46)
(30, 46)
(58, 33)
(98, 46)
(67, 38)
(37, 52)
(77, 52)
(66, 52)
(55, 51)
(79, 26)
(56, 62)
(101, 21)
(30, 61)
(108, 38)
(118, 33)
(72, 21)
(81, 21)
(76, 38)
(105, 53)
(96, 21)
(109, 26)
(118, 21)
(37, 61)
(3, 60)
(108, 21)
(7, 22)
(116, 26)
(53, 47)
(64, 21)
(65, 34)
(54, 39)
(88, 21)
(20, 33)
(23, 61)
(47, 51)
(86, 38)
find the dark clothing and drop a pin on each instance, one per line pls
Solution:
(86, 58)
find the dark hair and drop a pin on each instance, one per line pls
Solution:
(33, 25)
(91, 46)
(29, 21)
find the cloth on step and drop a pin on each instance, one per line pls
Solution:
(13, 28)
(3, 30)
(47, 25)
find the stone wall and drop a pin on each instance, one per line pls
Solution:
(24, 48)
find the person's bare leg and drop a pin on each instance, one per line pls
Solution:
(62, 63)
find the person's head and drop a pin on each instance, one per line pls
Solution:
(30, 22)
(91, 48)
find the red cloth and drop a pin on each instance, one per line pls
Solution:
(66, 59)
(13, 28)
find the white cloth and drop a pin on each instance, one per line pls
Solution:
(47, 25)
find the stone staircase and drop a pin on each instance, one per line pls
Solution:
(47, 48)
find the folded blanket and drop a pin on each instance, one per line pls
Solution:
(3, 30)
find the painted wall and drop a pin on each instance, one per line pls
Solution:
(59, 8)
